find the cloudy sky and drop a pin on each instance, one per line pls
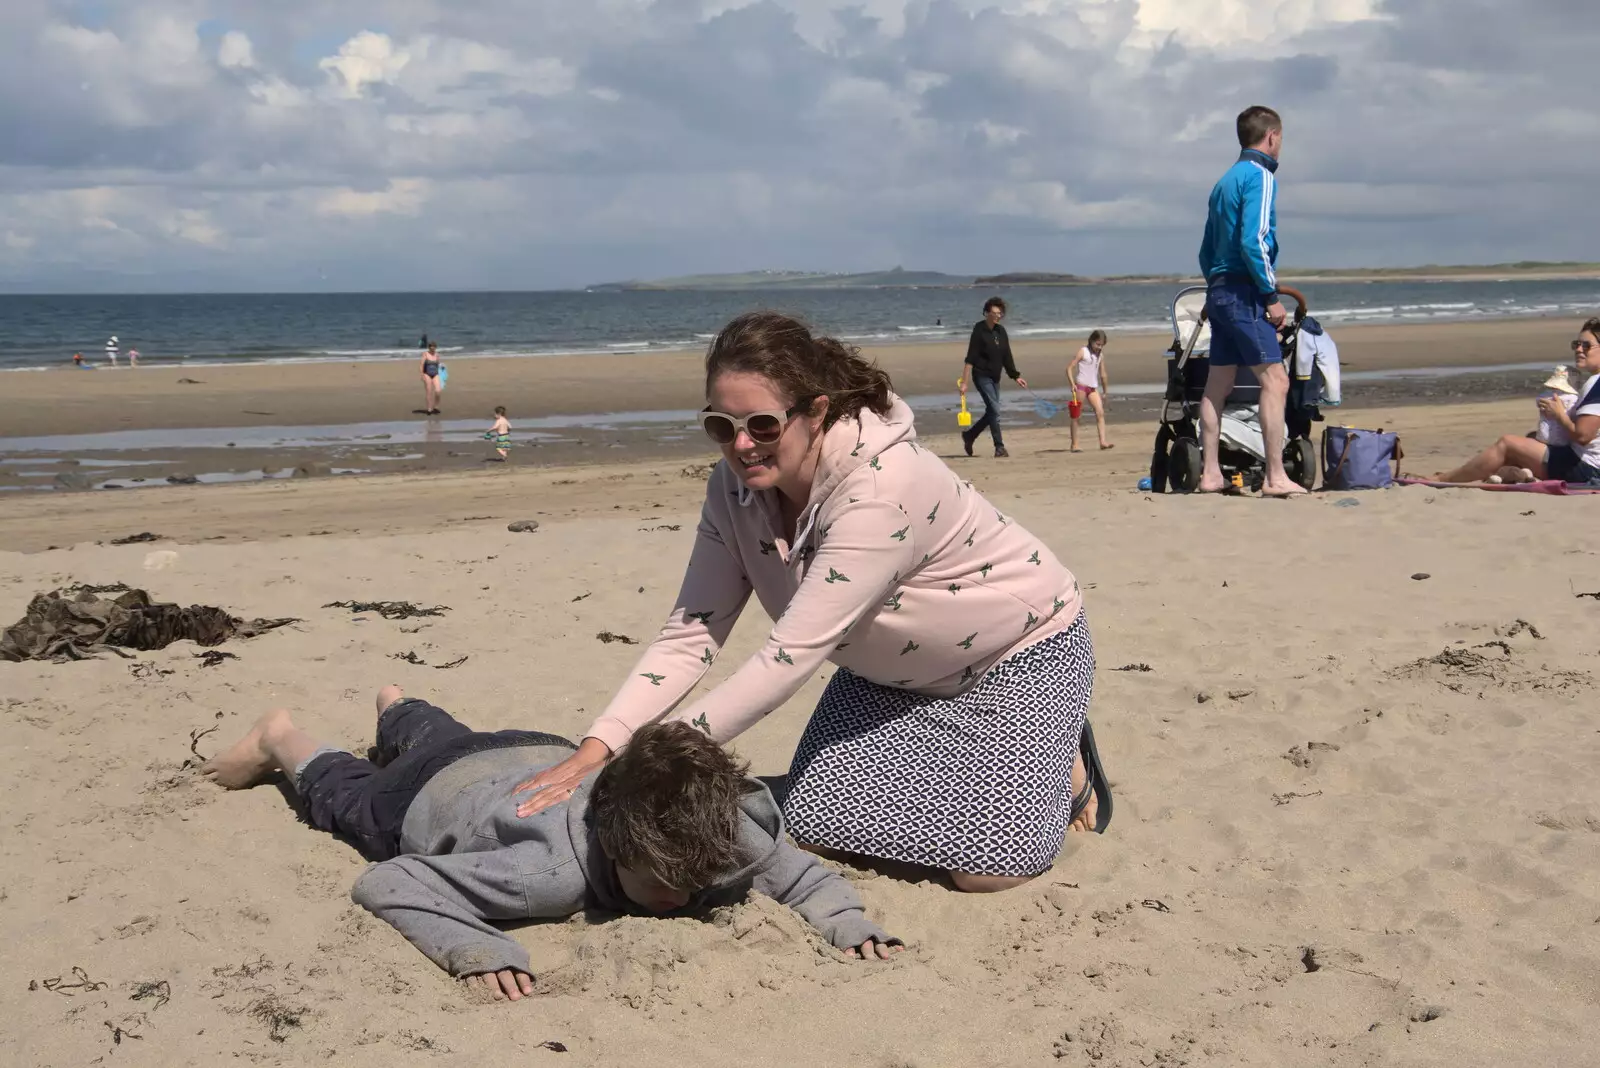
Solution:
(515, 144)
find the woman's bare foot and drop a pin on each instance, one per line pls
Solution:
(1080, 780)
(388, 696)
(249, 760)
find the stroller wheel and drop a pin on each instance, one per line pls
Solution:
(1184, 466)
(1300, 462)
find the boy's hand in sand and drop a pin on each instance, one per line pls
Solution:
(555, 784)
(872, 949)
(506, 985)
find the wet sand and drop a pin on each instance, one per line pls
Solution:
(81, 402)
(1436, 437)
(145, 428)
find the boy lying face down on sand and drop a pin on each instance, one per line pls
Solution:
(672, 823)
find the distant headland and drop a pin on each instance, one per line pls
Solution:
(900, 278)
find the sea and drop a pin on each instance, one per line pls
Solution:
(205, 329)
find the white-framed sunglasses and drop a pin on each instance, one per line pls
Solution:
(764, 428)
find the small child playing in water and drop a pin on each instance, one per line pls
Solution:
(500, 434)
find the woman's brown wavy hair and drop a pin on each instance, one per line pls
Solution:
(802, 364)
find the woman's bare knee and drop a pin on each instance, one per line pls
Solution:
(968, 883)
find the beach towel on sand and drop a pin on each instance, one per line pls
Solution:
(1555, 487)
(62, 625)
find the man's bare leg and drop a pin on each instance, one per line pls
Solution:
(1274, 395)
(273, 744)
(1219, 383)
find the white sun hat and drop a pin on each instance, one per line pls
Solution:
(1558, 381)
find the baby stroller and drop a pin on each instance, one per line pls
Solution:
(1176, 462)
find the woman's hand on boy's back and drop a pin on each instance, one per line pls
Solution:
(873, 949)
(505, 985)
(555, 784)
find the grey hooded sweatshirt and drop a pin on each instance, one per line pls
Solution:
(468, 859)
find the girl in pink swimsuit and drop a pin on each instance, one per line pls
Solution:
(1087, 374)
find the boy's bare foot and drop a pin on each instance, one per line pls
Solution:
(388, 696)
(247, 761)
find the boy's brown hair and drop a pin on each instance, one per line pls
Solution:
(668, 805)
(500, 410)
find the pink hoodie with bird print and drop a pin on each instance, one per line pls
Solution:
(900, 571)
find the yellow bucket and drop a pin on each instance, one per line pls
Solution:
(963, 417)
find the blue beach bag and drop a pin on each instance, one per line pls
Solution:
(1355, 459)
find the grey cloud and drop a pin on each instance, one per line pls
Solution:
(976, 139)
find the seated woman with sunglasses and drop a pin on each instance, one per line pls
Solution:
(1578, 461)
(950, 735)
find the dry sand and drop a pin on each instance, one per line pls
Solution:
(1331, 846)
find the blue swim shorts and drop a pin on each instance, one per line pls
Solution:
(1240, 333)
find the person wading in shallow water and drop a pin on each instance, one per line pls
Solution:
(430, 380)
(988, 353)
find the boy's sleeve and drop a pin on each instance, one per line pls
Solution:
(714, 592)
(974, 347)
(825, 898)
(441, 903)
(1255, 228)
(1011, 363)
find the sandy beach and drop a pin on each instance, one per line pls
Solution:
(1351, 741)
(316, 394)
(134, 429)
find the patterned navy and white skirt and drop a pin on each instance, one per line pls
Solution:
(978, 783)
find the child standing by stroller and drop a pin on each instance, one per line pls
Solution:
(1087, 374)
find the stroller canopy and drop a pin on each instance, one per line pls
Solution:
(1187, 309)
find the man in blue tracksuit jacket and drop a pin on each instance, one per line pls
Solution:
(1237, 258)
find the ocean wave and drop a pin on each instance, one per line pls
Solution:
(1075, 329)
(1053, 320)
(358, 353)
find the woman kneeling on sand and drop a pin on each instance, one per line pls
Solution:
(950, 735)
(1577, 461)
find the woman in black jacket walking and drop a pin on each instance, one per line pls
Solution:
(989, 353)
